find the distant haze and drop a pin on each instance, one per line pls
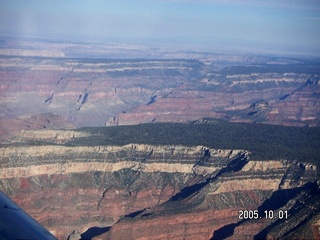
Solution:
(274, 26)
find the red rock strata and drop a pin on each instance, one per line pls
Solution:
(61, 205)
(86, 92)
(298, 108)
(102, 186)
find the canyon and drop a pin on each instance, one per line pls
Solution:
(105, 141)
(60, 88)
(143, 191)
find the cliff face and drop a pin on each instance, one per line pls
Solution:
(68, 188)
(213, 210)
(53, 93)
(144, 191)
(85, 183)
(284, 99)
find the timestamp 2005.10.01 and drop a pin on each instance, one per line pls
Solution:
(267, 214)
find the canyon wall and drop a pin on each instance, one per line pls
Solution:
(140, 191)
(213, 211)
(46, 92)
(92, 183)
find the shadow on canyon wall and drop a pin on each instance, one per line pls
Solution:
(234, 166)
(278, 199)
(93, 232)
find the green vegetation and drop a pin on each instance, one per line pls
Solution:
(263, 141)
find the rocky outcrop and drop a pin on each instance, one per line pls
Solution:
(55, 136)
(239, 98)
(213, 211)
(84, 92)
(77, 188)
(84, 183)
(95, 92)
(140, 190)
(11, 126)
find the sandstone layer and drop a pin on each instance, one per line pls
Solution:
(144, 191)
(79, 183)
(213, 211)
(52, 90)
(68, 188)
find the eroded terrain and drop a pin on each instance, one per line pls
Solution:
(50, 90)
(137, 191)
(160, 180)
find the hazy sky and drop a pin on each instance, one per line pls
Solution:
(284, 26)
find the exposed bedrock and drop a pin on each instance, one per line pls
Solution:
(77, 188)
(83, 92)
(86, 92)
(144, 191)
(212, 211)
(11, 126)
(284, 99)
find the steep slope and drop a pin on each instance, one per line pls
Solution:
(85, 91)
(288, 98)
(214, 210)
(196, 180)
(95, 92)
(80, 183)
(67, 188)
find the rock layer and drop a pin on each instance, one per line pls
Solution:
(213, 211)
(142, 191)
(95, 92)
(95, 186)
